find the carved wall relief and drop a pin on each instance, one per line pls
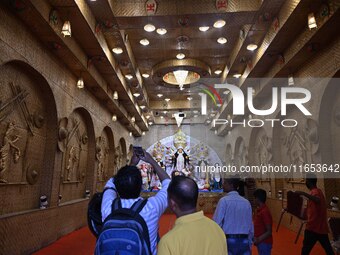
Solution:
(240, 153)
(24, 117)
(73, 143)
(260, 150)
(102, 157)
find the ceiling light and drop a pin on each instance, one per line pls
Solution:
(114, 117)
(167, 99)
(145, 75)
(208, 121)
(147, 117)
(252, 47)
(212, 114)
(237, 75)
(181, 76)
(143, 133)
(219, 23)
(133, 119)
(159, 95)
(142, 107)
(189, 98)
(130, 134)
(203, 29)
(115, 95)
(144, 42)
(150, 123)
(149, 28)
(218, 105)
(128, 76)
(195, 111)
(290, 81)
(195, 116)
(117, 50)
(66, 30)
(181, 88)
(80, 83)
(222, 40)
(226, 92)
(161, 31)
(136, 94)
(162, 117)
(218, 71)
(165, 112)
(312, 21)
(180, 56)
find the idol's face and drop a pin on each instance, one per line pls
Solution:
(180, 150)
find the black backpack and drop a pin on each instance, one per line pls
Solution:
(94, 214)
(124, 232)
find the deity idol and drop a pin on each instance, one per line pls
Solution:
(180, 160)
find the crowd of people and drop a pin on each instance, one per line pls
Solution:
(233, 230)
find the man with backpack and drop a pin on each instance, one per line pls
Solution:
(130, 222)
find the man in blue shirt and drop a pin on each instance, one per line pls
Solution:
(128, 183)
(234, 215)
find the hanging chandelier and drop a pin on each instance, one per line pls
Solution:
(180, 72)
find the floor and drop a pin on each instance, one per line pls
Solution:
(81, 242)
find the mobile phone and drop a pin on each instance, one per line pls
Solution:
(138, 150)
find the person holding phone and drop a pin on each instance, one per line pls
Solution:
(127, 184)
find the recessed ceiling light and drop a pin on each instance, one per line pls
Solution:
(162, 117)
(147, 117)
(145, 75)
(150, 123)
(142, 107)
(252, 47)
(180, 56)
(208, 121)
(136, 94)
(218, 71)
(143, 133)
(165, 112)
(117, 50)
(189, 98)
(133, 119)
(149, 28)
(159, 95)
(203, 29)
(222, 40)
(161, 31)
(167, 99)
(128, 76)
(238, 75)
(219, 23)
(144, 42)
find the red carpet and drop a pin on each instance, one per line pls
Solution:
(81, 242)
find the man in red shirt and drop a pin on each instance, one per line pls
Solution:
(263, 222)
(316, 227)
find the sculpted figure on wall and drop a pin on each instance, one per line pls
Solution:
(102, 152)
(73, 143)
(8, 149)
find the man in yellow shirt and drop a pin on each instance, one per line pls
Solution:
(193, 233)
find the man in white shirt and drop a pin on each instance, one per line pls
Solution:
(234, 215)
(128, 184)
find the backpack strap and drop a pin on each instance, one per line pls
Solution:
(138, 206)
(116, 204)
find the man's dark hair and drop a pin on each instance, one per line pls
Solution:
(311, 178)
(261, 195)
(234, 181)
(128, 182)
(184, 191)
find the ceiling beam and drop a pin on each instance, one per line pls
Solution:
(175, 105)
(135, 8)
(42, 10)
(91, 22)
(296, 48)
